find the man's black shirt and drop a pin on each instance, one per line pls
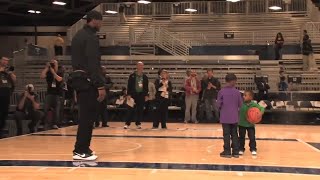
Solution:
(54, 87)
(85, 55)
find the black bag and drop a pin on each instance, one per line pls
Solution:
(80, 81)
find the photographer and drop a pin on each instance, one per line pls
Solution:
(7, 82)
(54, 92)
(28, 108)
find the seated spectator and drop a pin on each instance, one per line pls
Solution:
(263, 88)
(28, 109)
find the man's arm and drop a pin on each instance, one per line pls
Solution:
(44, 72)
(35, 103)
(92, 52)
(55, 75)
(22, 101)
(219, 100)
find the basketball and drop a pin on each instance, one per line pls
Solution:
(254, 115)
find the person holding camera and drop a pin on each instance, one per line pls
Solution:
(54, 80)
(7, 83)
(28, 108)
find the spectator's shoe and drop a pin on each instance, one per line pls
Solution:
(318, 119)
(96, 124)
(235, 155)
(164, 128)
(225, 154)
(155, 128)
(139, 127)
(196, 122)
(55, 127)
(105, 125)
(84, 156)
(254, 153)
(241, 153)
(31, 128)
(126, 127)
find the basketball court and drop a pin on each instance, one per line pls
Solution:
(184, 151)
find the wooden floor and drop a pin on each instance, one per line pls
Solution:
(184, 151)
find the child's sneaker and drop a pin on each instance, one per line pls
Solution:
(126, 127)
(138, 126)
(241, 153)
(225, 154)
(254, 153)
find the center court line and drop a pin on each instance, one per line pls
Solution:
(160, 137)
(317, 150)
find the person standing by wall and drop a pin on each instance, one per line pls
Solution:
(7, 83)
(137, 93)
(193, 88)
(88, 81)
(58, 45)
(210, 87)
(164, 90)
(278, 45)
(309, 63)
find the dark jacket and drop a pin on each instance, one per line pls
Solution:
(85, 55)
(108, 83)
(132, 85)
(159, 84)
(307, 47)
(263, 87)
(210, 93)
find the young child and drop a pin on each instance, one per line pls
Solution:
(229, 102)
(245, 125)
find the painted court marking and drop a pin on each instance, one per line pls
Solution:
(315, 149)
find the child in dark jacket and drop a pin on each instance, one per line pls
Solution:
(245, 125)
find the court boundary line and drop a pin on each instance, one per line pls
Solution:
(309, 145)
(168, 166)
(159, 137)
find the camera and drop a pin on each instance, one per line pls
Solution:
(30, 91)
(52, 65)
(10, 68)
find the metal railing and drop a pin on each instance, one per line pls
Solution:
(210, 7)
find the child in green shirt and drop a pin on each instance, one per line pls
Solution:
(245, 125)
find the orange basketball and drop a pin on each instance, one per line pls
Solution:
(254, 115)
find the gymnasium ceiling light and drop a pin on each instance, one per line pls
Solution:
(233, 0)
(34, 12)
(191, 10)
(111, 12)
(275, 8)
(144, 2)
(60, 3)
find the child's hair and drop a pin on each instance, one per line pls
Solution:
(250, 92)
(282, 78)
(231, 77)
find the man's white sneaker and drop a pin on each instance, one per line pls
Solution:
(241, 152)
(84, 157)
(254, 153)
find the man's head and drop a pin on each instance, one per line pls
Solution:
(231, 79)
(94, 19)
(4, 61)
(104, 69)
(248, 95)
(305, 32)
(193, 73)
(140, 66)
(282, 78)
(210, 73)
(164, 74)
(188, 72)
(30, 88)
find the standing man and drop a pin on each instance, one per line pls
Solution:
(7, 81)
(210, 87)
(138, 91)
(58, 45)
(193, 88)
(88, 81)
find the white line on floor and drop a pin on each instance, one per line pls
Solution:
(317, 150)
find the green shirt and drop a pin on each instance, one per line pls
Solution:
(243, 113)
(139, 83)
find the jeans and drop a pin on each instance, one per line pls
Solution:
(251, 135)
(191, 104)
(34, 116)
(88, 109)
(277, 53)
(211, 104)
(137, 110)
(230, 131)
(53, 102)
